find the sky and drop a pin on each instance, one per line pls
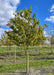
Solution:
(44, 10)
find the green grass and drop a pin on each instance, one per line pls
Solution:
(50, 74)
(20, 51)
(22, 66)
(9, 55)
(31, 57)
(20, 55)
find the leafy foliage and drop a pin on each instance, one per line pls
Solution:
(26, 30)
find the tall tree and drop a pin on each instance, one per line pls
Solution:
(26, 30)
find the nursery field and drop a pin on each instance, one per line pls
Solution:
(13, 59)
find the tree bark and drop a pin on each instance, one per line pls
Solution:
(51, 46)
(27, 61)
(25, 52)
(15, 54)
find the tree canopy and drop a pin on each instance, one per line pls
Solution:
(26, 28)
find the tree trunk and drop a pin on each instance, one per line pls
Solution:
(15, 54)
(39, 50)
(51, 46)
(25, 52)
(27, 66)
(9, 50)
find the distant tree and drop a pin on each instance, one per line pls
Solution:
(52, 38)
(26, 30)
(5, 41)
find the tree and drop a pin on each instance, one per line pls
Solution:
(5, 40)
(26, 30)
(52, 38)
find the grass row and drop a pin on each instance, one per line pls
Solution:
(12, 48)
(31, 57)
(21, 51)
(22, 66)
(12, 57)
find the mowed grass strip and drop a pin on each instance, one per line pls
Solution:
(22, 66)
